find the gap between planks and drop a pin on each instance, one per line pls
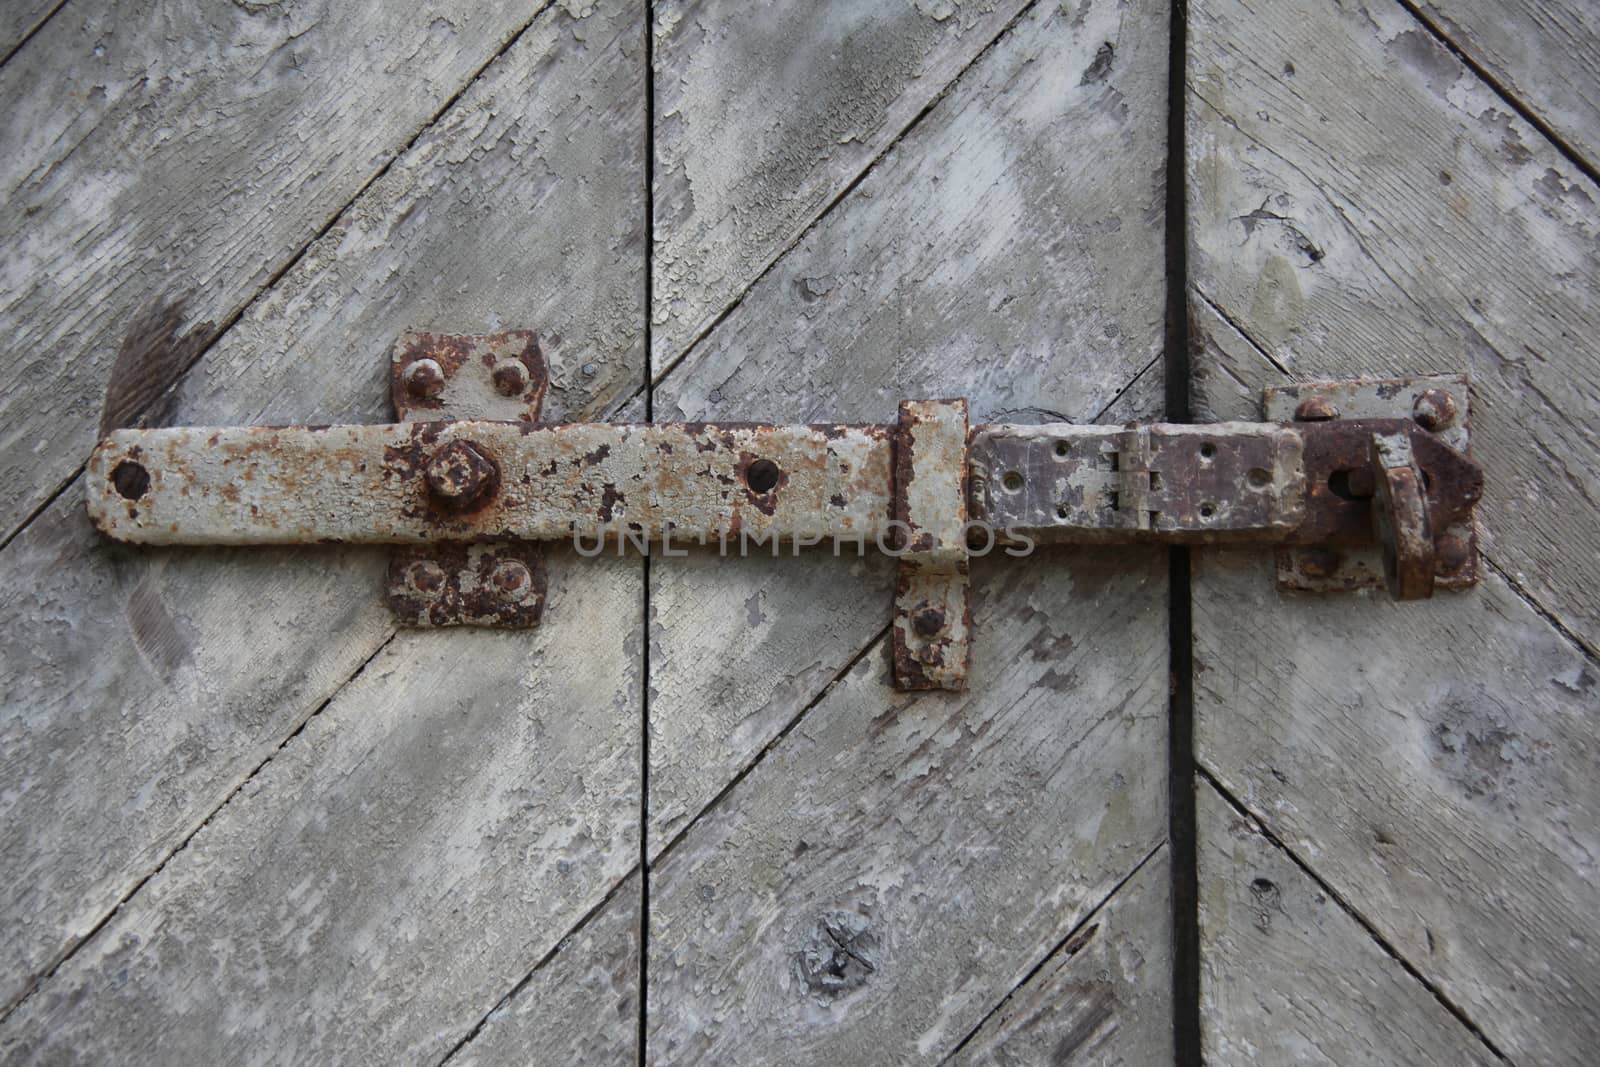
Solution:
(1205, 774)
(1479, 71)
(271, 282)
(299, 728)
(1066, 939)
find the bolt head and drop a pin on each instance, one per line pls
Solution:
(512, 578)
(425, 577)
(461, 474)
(510, 378)
(927, 621)
(424, 378)
(1315, 409)
(1435, 410)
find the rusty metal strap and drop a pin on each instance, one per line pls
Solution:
(476, 481)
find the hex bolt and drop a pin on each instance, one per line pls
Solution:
(1315, 409)
(512, 578)
(424, 378)
(1435, 410)
(510, 378)
(927, 621)
(426, 577)
(461, 475)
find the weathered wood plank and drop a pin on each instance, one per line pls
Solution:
(582, 1007)
(143, 686)
(900, 862)
(1287, 976)
(395, 867)
(990, 255)
(1433, 761)
(1103, 996)
(163, 162)
(1379, 211)
(766, 115)
(1546, 53)
(20, 18)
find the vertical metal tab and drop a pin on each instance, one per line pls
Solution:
(459, 377)
(932, 610)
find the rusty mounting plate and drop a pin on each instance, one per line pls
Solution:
(1334, 550)
(499, 376)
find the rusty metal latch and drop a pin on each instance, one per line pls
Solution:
(1357, 483)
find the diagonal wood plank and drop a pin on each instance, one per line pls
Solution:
(1103, 996)
(164, 163)
(179, 672)
(20, 18)
(1289, 977)
(769, 113)
(581, 1006)
(417, 848)
(1378, 211)
(989, 256)
(1545, 53)
(1434, 761)
(899, 862)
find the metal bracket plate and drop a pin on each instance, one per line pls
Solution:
(1436, 410)
(503, 377)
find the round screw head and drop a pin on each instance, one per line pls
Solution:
(1435, 410)
(510, 378)
(512, 578)
(1315, 409)
(425, 576)
(461, 475)
(927, 621)
(424, 378)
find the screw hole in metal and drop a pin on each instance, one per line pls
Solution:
(1259, 478)
(130, 480)
(1012, 481)
(1062, 448)
(1061, 511)
(762, 476)
(1207, 450)
(1207, 510)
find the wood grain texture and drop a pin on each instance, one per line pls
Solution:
(143, 686)
(20, 18)
(899, 862)
(1546, 53)
(396, 867)
(958, 267)
(1360, 204)
(581, 1007)
(1103, 996)
(166, 161)
(1433, 761)
(1287, 976)
(767, 113)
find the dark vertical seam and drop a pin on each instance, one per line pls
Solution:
(649, 416)
(1180, 616)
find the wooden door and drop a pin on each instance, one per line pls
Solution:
(1397, 804)
(689, 819)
